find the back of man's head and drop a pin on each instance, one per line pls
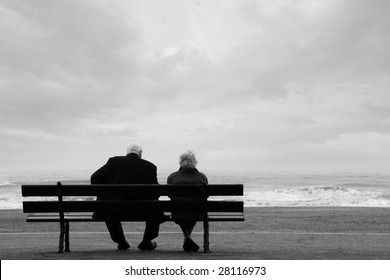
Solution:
(134, 149)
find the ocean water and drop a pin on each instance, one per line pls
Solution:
(261, 188)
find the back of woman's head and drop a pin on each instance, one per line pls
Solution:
(188, 159)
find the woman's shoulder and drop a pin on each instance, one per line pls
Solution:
(171, 176)
(203, 176)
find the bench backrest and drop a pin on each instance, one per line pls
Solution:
(67, 197)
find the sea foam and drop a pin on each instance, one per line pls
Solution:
(317, 196)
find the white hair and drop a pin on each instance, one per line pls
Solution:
(188, 159)
(134, 149)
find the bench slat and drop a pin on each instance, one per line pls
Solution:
(70, 217)
(139, 189)
(128, 206)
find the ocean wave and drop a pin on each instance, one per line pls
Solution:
(5, 183)
(318, 196)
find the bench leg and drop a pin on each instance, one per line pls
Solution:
(67, 244)
(206, 243)
(62, 233)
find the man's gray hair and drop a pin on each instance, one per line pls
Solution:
(134, 149)
(188, 159)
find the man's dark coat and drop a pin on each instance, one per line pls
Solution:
(130, 169)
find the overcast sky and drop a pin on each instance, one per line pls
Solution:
(246, 84)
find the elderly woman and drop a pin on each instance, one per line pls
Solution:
(187, 174)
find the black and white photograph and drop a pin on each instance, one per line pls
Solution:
(194, 130)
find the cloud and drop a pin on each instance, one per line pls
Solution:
(312, 45)
(263, 82)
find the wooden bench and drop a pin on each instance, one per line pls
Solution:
(76, 203)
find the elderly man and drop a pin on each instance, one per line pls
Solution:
(129, 169)
(187, 174)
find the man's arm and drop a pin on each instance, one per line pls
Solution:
(153, 178)
(101, 175)
(154, 175)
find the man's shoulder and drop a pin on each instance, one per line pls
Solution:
(132, 158)
(116, 158)
(148, 163)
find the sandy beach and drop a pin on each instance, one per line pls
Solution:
(304, 233)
